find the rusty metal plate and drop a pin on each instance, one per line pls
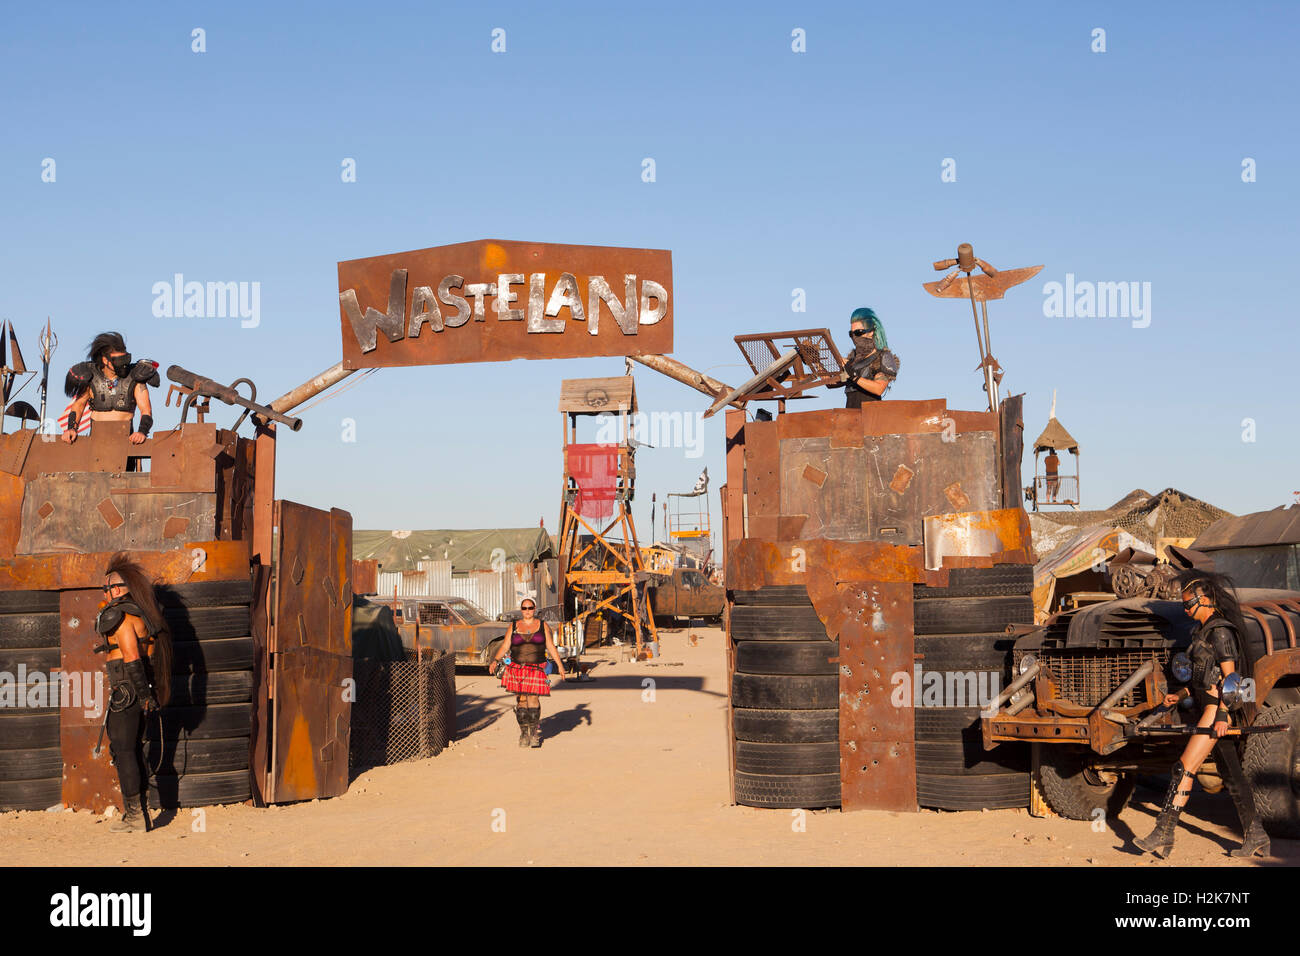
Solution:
(836, 507)
(11, 503)
(753, 564)
(191, 561)
(184, 459)
(89, 782)
(997, 534)
(877, 750)
(558, 301)
(119, 519)
(762, 472)
(104, 449)
(311, 648)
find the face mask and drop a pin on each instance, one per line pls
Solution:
(121, 364)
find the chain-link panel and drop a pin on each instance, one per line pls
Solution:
(404, 710)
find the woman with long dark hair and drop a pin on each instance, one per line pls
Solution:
(1215, 652)
(529, 643)
(139, 666)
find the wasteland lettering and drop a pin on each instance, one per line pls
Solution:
(540, 312)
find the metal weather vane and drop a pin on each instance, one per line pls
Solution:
(992, 284)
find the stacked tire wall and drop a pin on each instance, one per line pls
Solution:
(197, 749)
(31, 762)
(960, 630)
(785, 700)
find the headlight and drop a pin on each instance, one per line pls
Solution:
(1026, 662)
(1181, 668)
(1232, 689)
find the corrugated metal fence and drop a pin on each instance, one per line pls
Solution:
(493, 591)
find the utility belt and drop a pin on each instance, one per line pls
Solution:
(122, 693)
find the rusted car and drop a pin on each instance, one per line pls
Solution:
(686, 593)
(1087, 685)
(446, 623)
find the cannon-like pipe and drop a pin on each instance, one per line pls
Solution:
(199, 385)
(684, 374)
(311, 388)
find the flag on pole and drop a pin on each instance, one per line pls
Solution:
(83, 426)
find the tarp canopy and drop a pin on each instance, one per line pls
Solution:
(1056, 438)
(467, 549)
(1078, 553)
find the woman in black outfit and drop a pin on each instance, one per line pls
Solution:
(139, 666)
(1215, 652)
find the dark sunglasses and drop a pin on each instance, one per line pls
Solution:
(108, 587)
(858, 333)
(528, 607)
(1192, 603)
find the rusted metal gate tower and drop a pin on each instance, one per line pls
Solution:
(602, 573)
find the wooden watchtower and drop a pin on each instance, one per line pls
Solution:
(601, 573)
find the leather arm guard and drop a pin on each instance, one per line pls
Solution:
(72, 421)
(146, 423)
(140, 682)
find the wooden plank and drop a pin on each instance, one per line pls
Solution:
(598, 395)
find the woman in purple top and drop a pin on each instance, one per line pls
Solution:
(529, 643)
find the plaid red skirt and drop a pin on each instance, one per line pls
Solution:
(526, 679)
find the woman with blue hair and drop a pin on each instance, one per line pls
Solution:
(871, 367)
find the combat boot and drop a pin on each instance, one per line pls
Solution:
(524, 715)
(536, 726)
(132, 819)
(1161, 840)
(1254, 839)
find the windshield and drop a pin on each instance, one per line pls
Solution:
(469, 613)
(1268, 566)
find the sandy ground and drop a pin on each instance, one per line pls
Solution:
(619, 779)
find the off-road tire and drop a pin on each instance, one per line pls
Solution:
(769, 623)
(29, 630)
(967, 615)
(29, 602)
(787, 657)
(185, 756)
(965, 652)
(786, 726)
(1067, 790)
(783, 792)
(199, 789)
(784, 692)
(202, 689)
(976, 792)
(787, 759)
(776, 595)
(32, 730)
(1272, 764)
(31, 794)
(997, 581)
(222, 654)
(955, 758)
(31, 763)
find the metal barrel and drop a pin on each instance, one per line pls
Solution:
(206, 386)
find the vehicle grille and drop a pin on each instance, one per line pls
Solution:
(433, 614)
(1088, 676)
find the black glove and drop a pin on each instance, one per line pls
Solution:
(140, 683)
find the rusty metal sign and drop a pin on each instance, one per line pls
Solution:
(311, 654)
(493, 300)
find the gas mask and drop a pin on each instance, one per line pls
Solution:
(121, 364)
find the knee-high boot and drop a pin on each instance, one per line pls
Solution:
(1161, 840)
(1254, 839)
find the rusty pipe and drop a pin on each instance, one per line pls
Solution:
(312, 387)
(684, 374)
(199, 385)
(1137, 677)
(1015, 687)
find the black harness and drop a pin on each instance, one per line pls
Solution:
(1213, 642)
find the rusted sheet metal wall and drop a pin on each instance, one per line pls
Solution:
(89, 782)
(365, 576)
(192, 561)
(862, 592)
(311, 647)
(104, 512)
(1012, 445)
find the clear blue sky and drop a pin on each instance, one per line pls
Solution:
(775, 170)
